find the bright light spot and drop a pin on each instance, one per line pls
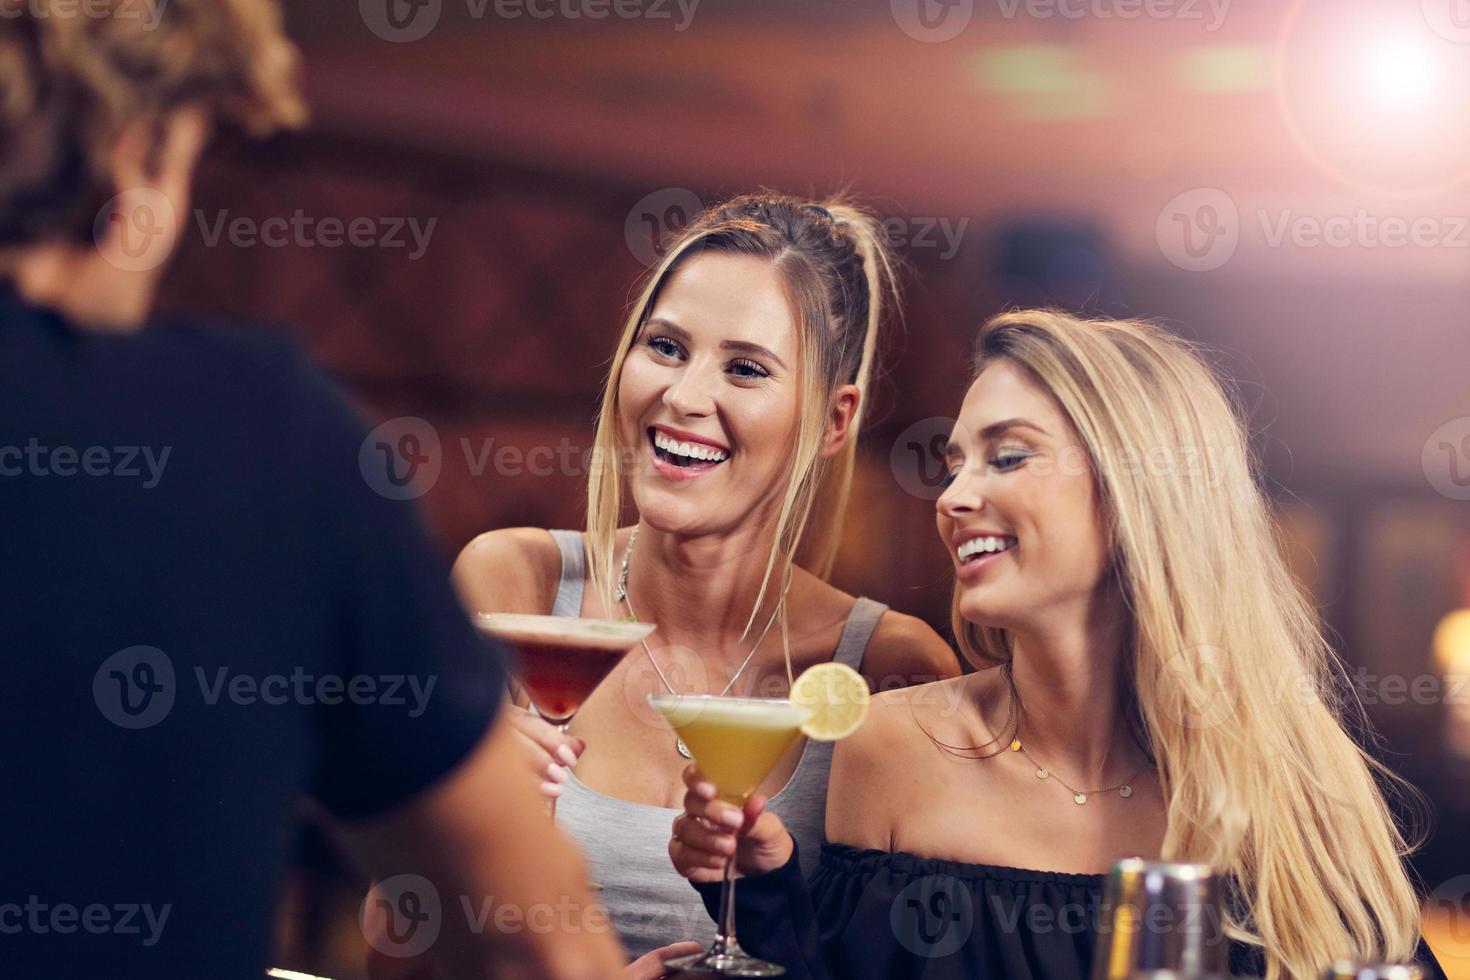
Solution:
(1452, 643)
(1401, 73)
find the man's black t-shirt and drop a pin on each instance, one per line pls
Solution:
(206, 609)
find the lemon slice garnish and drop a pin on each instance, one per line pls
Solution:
(836, 698)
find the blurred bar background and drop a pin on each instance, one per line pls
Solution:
(1282, 181)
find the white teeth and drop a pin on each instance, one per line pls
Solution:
(984, 545)
(690, 450)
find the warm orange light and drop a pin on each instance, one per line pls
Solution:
(1452, 643)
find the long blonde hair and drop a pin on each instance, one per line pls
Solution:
(838, 277)
(1234, 685)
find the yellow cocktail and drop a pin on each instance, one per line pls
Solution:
(736, 741)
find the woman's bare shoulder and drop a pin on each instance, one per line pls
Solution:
(512, 569)
(885, 765)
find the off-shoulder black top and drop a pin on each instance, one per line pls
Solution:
(880, 915)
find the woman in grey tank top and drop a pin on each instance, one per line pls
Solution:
(730, 418)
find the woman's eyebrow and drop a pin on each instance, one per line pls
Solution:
(996, 428)
(669, 325)
(748, 347)
(743, 346)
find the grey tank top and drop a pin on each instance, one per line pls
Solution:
(627, 844)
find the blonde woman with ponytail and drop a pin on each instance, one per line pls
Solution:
(728, 428)
(1152, 682)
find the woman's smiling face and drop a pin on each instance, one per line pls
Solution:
(1019, 514)
(708, 395)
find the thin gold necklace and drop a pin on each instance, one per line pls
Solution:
(1079, 796)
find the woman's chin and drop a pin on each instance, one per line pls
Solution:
(668, 514)
(986, 613)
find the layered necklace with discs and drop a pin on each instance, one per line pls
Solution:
(621, 595)
(1013, 727)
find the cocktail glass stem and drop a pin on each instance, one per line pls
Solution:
(563, 729)
(725, 944)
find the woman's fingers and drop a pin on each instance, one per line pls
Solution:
(750, 816)
(562, 749)
(715, 811)
(698, 850)
(650, 966)
(694, 832)
(541, 741)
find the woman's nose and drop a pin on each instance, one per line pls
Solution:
(690, 393)
(962, 496)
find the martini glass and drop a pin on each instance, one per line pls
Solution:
(560, 660)
(736, 742)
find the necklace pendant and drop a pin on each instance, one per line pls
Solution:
(683, 749)
(1079, 798)
(1125, 791)
(1040, 773)
(1015, 745)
